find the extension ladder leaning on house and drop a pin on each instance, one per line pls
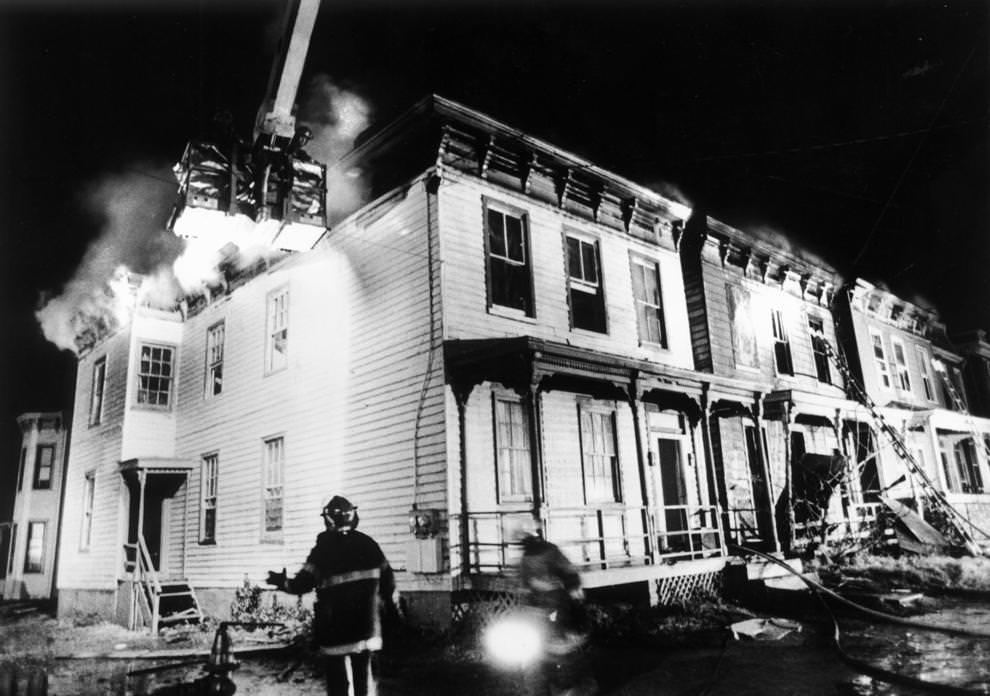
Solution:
(953, 517)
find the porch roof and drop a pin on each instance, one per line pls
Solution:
(525, 362)
(156, 465)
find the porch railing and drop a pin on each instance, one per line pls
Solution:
(146, 588)
(593, 538)
(859, 522)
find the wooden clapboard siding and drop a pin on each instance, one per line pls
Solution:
(465, 298)
(150, 431)
(346, 406)
(96, 448)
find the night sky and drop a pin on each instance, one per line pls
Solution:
(857, 129)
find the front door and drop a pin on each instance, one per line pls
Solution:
(673, 493)
(763, 508)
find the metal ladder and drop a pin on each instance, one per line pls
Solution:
(938, 500)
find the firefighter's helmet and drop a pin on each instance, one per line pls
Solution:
(340, 514)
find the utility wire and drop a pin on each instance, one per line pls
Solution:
(914, 156)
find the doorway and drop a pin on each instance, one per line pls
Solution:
(760, 487)
(673, 493)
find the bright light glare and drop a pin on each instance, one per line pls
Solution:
(514, 641)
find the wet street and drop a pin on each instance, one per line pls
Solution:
(801, 663)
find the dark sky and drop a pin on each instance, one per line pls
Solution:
(858, 129)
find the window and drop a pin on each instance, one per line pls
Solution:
(817, 329)
(959, 398)
(89, 498)
(649, 304)
(277, 348)
(510, 274)
(13, 548)
(274, 473)
(598, 455)
(880, 358)
(208, 499)
(214, 359)
(744, 347)
(96, 391)
(44, 463)
(35, 556)
(155, 376)
(20, 468)
(781, 343)
(969, 467)
(926, 375)
(903, 378)
(584, 285)
(514, 464)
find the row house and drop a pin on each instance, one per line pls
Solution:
(776, 410)
(915, 376)
(28, 542)
(504, 331)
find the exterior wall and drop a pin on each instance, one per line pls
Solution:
(466, 314)
(355, 408)
(33, 505)
(95, 449)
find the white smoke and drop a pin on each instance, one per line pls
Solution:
(336, 116)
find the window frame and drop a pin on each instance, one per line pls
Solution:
(607, 414)
(492, 259)
(649, 264)
(902, 373)
(581, 284)
(214, 359)
(782, 352)
(209, 487)
(925, 368)
(170, 378)
(39, 567)
(97, 390)
(88, 510)
(20, 469)
(276, 322)
(37, 482)
(504, 470)
(269, 483)
(880, 361)
(823, 369)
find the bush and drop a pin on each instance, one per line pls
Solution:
(253, 603)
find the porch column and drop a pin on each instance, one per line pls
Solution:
(650, 542)
(788, 484)
(461, 394)
(142, 480)
(841, 449)
(765, 461)
(534, 408)
(716, 484)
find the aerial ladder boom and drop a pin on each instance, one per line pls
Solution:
(270, 181)
(938, 500)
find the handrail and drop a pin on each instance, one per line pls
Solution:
(146, 587)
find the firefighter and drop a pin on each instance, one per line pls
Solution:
(551, 584)
(354, 584)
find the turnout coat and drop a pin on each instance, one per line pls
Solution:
(353, 583)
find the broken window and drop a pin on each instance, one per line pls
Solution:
(208, 499)
(584, 283)
(926, 375)
(44, 463)
(510, 281)
(971, 481)
(274, 475)
(277, 348)
(215, 336)
(900, 365)
(515, 472)
(649, 304)
(34, 559)
(155, 375)
(96, 391)
(880, 359)
(598, 455)
(781, 343)
(817, 329)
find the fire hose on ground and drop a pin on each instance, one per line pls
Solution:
(822, 592)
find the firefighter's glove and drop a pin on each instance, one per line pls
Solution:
(276, 579)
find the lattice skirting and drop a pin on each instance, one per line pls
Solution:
(479, 608)
(684, 589)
